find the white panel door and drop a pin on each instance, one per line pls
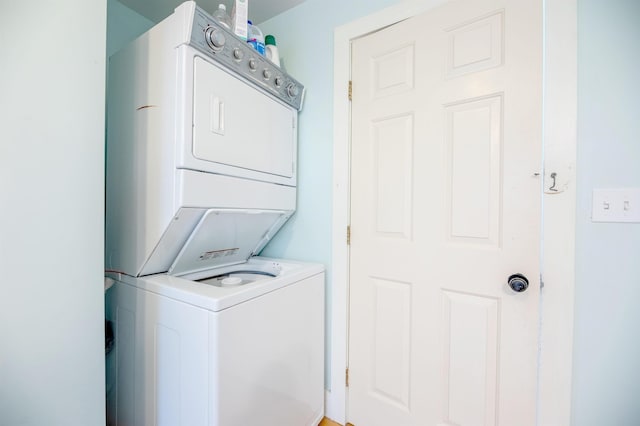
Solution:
(445, 207)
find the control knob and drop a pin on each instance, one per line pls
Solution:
(266, 74)
(278, 81)
(293, 91)
(238, 54)
(253, 64)
(215, 38)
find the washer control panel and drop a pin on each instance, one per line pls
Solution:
(221, 45)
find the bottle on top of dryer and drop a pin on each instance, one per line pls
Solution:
(271, 50)
(220, 15)
(239, 15)
(255, 37)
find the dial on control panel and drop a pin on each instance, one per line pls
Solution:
(293, 90)
(215, 38)
(238, 54)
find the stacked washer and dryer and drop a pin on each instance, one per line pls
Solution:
(201, 174)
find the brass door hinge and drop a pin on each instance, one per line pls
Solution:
(350, 90)
(346, 377)
(348, 235)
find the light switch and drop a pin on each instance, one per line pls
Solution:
(616, 205)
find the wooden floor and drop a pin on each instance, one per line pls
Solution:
(327, 422)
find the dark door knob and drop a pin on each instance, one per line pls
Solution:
(518, 283)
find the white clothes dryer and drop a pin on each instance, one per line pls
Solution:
(196, 119)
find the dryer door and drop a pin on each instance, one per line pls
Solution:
(246, 132)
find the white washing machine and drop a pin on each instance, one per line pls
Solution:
(198, 351)
(201, 173)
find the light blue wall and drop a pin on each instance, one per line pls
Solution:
(606, 369)
(123, 25)
(52, 74)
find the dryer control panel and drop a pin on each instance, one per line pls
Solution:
(234, 54)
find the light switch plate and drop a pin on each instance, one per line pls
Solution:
(616, 205)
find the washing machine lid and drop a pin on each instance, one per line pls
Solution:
(226, 237)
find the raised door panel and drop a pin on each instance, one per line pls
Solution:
(473, 170)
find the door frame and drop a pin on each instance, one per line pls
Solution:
(559, 205)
